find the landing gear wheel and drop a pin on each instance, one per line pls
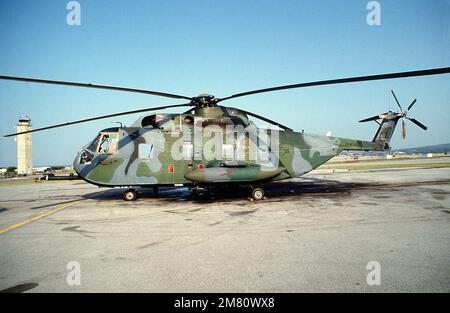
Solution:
(257, 194)
(130, 195)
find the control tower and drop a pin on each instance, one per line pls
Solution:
(24, 147)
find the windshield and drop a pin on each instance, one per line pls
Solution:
(93, 145)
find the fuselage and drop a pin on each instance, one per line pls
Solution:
(179, 150)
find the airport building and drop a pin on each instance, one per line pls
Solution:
(24, 147)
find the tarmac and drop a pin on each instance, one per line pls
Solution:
(314, 234)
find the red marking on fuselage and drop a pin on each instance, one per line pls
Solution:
(229, 172)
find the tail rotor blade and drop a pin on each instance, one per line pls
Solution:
(396, 100)
(411, 105)
(374, 118)
(417, 123)
(403, 130)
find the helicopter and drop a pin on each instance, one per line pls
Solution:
(211, 145)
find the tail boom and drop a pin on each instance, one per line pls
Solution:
(354, 144)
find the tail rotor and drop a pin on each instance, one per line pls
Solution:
(393, 117)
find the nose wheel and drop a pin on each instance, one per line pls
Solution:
(257, 194)
(130, 195)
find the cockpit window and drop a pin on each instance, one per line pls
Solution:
(108, 143)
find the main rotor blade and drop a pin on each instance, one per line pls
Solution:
(99, 118)
(436, 71)
(76, 84)
(396, 100)
(411, 105)
(265, 119)
(417, 123)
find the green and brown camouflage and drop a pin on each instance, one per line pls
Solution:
(171, 150)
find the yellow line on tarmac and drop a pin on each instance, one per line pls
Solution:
(32, 219)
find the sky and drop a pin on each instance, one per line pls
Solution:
(221, 47)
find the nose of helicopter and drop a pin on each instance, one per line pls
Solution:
(81, 161)
(77, 166)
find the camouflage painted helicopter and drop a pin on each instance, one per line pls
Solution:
(176, 149)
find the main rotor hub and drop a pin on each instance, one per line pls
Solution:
(205, 100)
